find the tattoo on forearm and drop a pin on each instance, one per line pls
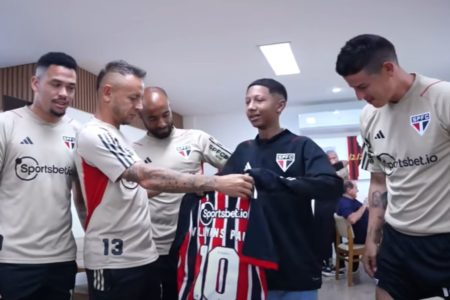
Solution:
(379, 199)
(164, 180)
(130, 174)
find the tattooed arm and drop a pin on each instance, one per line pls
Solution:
(377, 208)
(165, 180)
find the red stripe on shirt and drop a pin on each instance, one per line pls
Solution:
(95, 183)
(426, 89)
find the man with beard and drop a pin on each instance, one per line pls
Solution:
(119, 252)
(178, 149)
(37, 248)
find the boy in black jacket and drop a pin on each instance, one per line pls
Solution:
(289, 171)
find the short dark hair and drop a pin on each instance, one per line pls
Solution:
(274, 86)
(365, 52)
(121, 67)
(348, 184)
(55, 58)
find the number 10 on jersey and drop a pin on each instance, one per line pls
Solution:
(218, 276)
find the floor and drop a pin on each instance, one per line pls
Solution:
(363, 288)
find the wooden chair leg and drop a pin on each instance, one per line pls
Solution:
(338, 259)
(350, 270)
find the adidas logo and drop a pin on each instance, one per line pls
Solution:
(27, 141)
(147, 160)
(379, 135)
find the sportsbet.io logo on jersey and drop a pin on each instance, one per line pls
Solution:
(390, 163)
(208, 212)
(27, 168)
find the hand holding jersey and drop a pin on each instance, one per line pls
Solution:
(289, 170)
(113, 179)
(149, 177)
(182, 150)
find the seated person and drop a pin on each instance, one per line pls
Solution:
(341, 166)
(355, 212)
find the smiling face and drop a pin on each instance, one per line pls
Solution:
(263, 108)
(156, 114)
(54, 91)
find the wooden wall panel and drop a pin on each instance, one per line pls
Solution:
(15, 82)
(178, 120)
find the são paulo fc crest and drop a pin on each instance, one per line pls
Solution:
(184, 151)
(420, 122)
(69, 141)
(285, 160)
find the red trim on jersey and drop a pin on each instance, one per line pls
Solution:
(95, 183)
(426, 89)
(259, 262)
(243, 276)
(181, 274)
(219, 222)
(243, 282)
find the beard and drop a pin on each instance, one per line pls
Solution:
(57, 113)
(162, 133)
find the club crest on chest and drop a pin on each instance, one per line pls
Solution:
(285, 160)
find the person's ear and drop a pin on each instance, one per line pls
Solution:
(34, 83)
(107, 92)
(281, 105)
(389, 67)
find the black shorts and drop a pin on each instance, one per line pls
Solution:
(54, 281)
(414, 267)
(137, 283)
(167, 269)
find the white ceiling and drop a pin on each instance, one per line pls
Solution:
(205, 52)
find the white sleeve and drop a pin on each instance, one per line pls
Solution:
(442, 106)
(3, 139)
(106, 151)
(368, 161)
(213, 151)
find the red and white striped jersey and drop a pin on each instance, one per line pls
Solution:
(215, 261)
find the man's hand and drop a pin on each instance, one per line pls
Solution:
(235, 185)
(370, 258)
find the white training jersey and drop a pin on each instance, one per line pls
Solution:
(185, 150)
(409, 141)
(37, 168)
(118, 214)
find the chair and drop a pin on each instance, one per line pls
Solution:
(346, 251)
